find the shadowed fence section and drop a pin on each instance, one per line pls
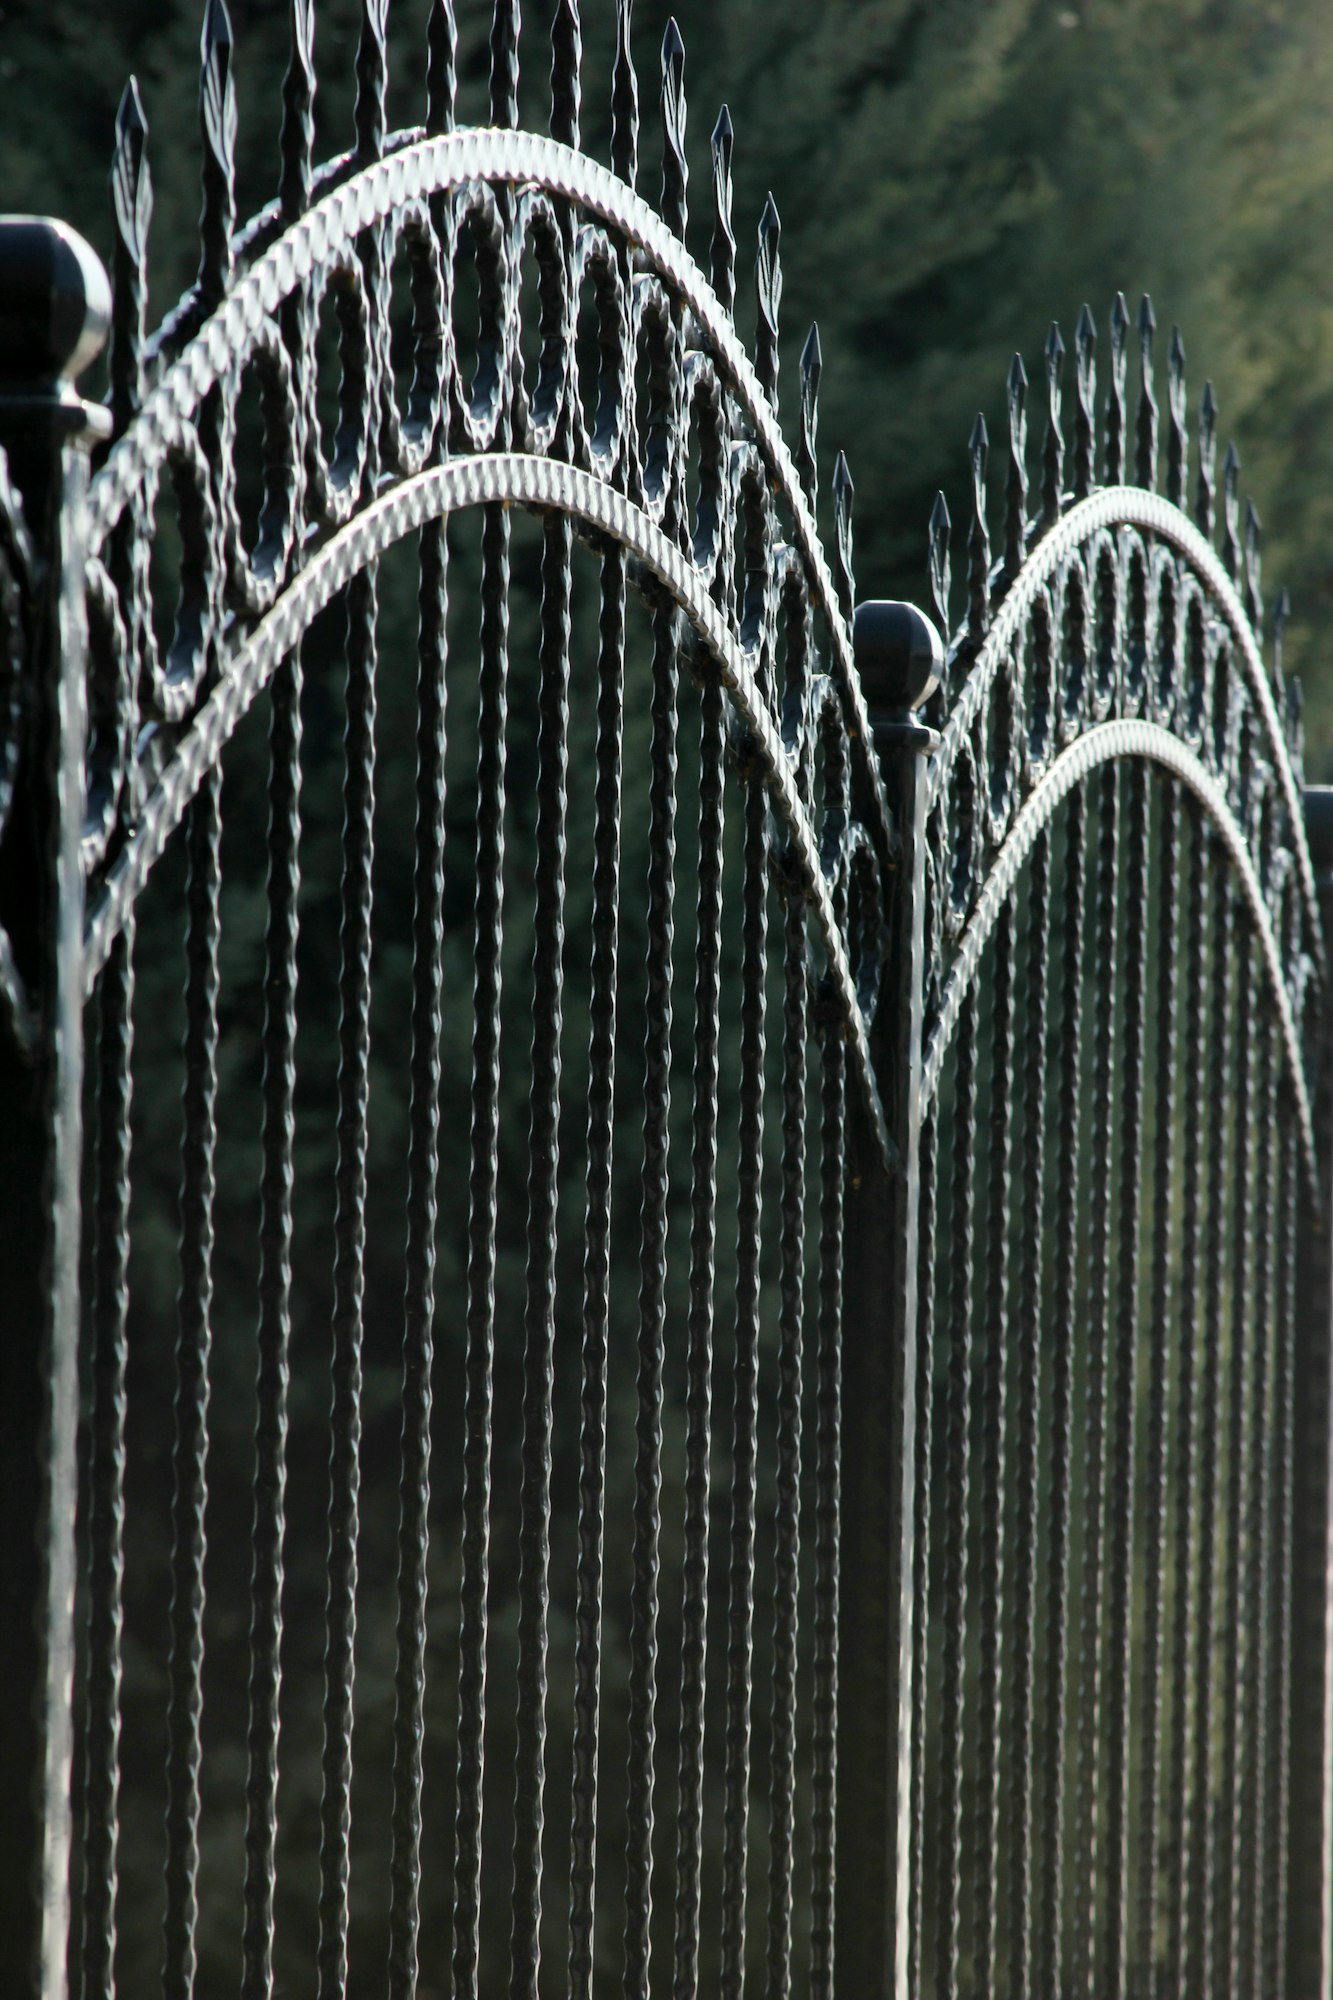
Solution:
(664, 1239)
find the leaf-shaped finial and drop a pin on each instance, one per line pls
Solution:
(624, 102)
(1254, 596)
(1016, 481)
(1145, 428)
(505, 23)
(1281, 613)
(978, 541)
(1115, 394)
(441, 67)
(768, 290)
(132, 201)
(1053, 448)
(812, 367)
(940, 572)
(675, 167)
(372, 81)
(1085, 421)
(297, 144)
(566, 67)
(1231, 513)
(1207, 491)
(843, 578)
(217, 123)
(723, 256)
(1177, 438)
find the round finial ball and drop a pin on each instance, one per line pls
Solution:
(55, 302)
(899, 654)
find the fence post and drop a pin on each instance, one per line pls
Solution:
(54, 308)
(1310, 1747)
(898, 658)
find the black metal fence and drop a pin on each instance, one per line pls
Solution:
(789, 1431)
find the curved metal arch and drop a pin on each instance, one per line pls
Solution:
(436, 166)
(1131, 506)
(466, 482)
(1126, 737)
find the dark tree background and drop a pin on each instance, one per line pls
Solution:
(950, 174)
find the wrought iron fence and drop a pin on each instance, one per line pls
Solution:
(917, 1586)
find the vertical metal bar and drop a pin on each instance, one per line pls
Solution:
(1120, 1564)
(740, 1621)
(990, 1577)
(348, 1285)
(1241, 1346)
(1163, 1328)
(698, 1416)
(274, 1335)
(1086, 1870)
(788, 1525)
(1050, 1956)
(543, 1196)
(1284, 1405)
(925, 1386)
(482, 1185)
(652, 1305)
(828, 1511)
(419, 1291)
(959, 1235)
(1257, 1745)
(106, 1525)
(55, 310)
(1221, 1042)
(1185, 1658)
(596, 1268)
(193, 1347)
(1027, 1472)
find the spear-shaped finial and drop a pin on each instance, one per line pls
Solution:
(566, 65)
(505, 24)
(1254, 597)
(1207, 491)
(1115, 394)
(1177, 437)
(1281, 613)
(1145, 427)
(940, 573)
(812, 367)
(441, 67)
(1085, 420)
(297, 144)
(1231, 513)
(843, 579)
(372, 81)
(1016, 481)
(132, 202)
(675, 167)
(723, 253)
(1053, 448)
(624, 102)
(768, 290)
(217, 122)
(978, 541)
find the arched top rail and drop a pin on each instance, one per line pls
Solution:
(413, 173)
(1124, 737)
(466, 482)
(1107, 509)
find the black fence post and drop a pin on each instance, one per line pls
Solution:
(54, 307)
(898, 657)
(1310, 1740)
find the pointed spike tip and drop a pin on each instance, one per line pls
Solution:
(217, 26)
(1086, 331)
(1119, 314)
(673, 44)
(1018, 375)
(812, 358)
(1231, 463)
(1147, 317)
(1055, 347)
(130, 119)
(722, 130)
(770, 222)
(842, 475)
(1252, 521)
(1209, 403)
(1177, 347)
(980, 437)
(939, 516)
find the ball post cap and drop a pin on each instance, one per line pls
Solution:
(899, 654)
(55, 303)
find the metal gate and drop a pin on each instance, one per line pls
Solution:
(789, 1432)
